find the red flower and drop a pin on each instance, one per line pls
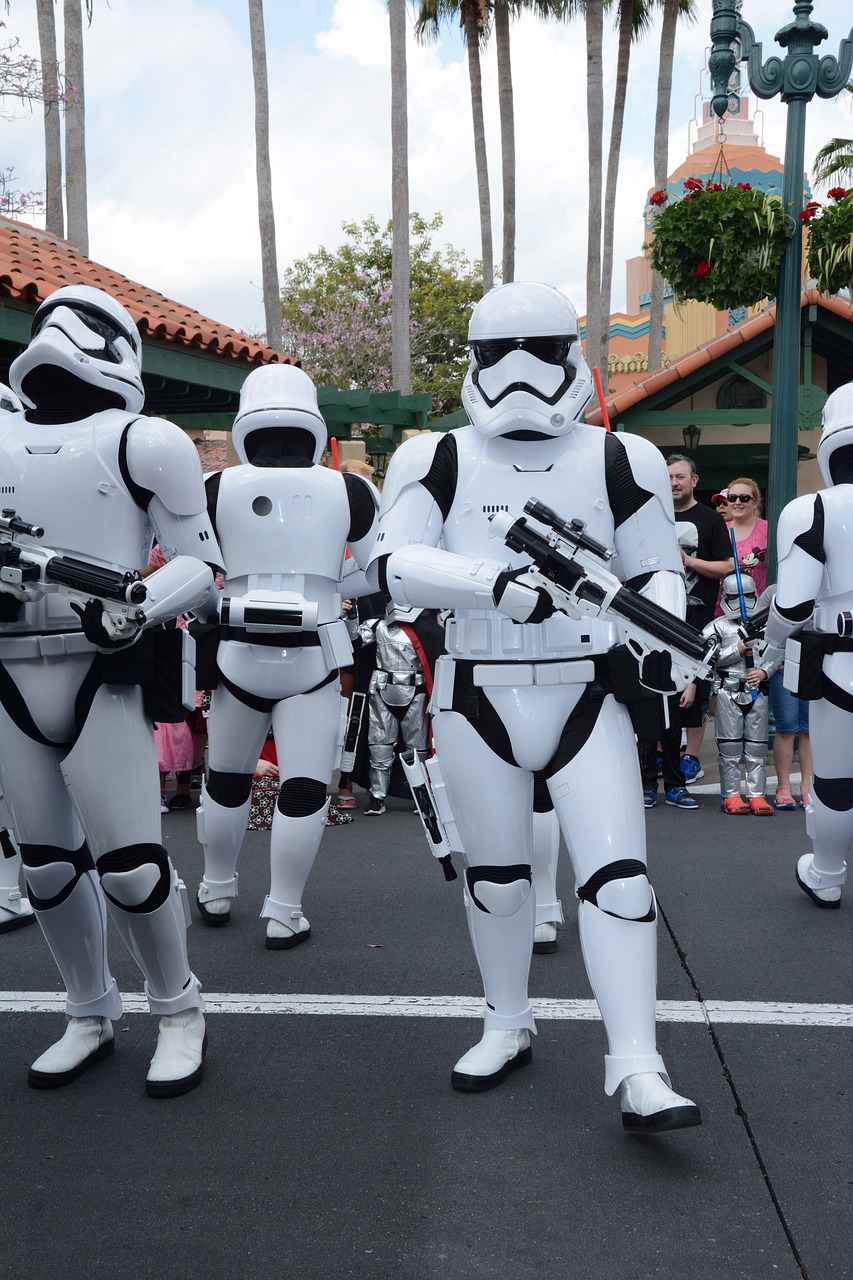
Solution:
(693, 184)
(744, 186)
(714, 186)
(703, 269)
(810, 210)
(837, 193)
(658, 197)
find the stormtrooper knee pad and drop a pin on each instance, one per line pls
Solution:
(301, 797)
(136, 878)
(52, 873)
(499, 891)
(621, 889)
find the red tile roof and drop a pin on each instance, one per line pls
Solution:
(33, 263)
(652, 383)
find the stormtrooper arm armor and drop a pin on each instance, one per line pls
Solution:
(427, 577)
(161, 460)
(800, 544)
(162, 467)
(364, 516)
(409, 513)
(644, 536)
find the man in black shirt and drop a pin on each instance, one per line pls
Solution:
(704, 572)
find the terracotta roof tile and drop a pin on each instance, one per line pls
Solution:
(33, 263)
(748, 329)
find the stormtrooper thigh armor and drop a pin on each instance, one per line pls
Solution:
(119, 865)
(306, 727)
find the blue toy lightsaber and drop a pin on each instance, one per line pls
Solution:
(743, 617)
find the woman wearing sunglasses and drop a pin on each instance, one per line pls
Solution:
(744, 499)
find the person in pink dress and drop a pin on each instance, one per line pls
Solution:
(744, 501)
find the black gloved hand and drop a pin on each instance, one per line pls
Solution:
(10, 607)
(541, 608)
(91, 616)
(656, 672)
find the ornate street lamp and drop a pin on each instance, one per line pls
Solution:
(797, 78)
(692, 435)
(378, 456)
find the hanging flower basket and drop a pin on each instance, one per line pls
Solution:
(720, 244)
(830, 251)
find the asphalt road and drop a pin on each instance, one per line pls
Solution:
(325, 1141)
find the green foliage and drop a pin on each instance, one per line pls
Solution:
(830, 251)
(336, 311)
(719, 244)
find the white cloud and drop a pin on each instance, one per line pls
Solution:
(170, 131)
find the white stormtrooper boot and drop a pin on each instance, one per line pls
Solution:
(84, 1042)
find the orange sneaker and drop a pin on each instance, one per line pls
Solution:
(761, 807)
(734, 805)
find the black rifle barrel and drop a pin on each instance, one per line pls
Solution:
(106, 584)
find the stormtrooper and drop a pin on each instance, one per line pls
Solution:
(526, 690)
(80, 660)
(741, 713)
(15, 910)
(284, 523)
(811, 625)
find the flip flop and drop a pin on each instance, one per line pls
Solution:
(784, 800)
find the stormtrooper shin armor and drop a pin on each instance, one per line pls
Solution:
(814, 594)
(284, 524)
(512, 700)
(78, 765)
(741, 714)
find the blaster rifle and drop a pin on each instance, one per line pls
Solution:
(573, 568)
(28, 572)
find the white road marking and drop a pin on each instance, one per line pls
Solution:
(775, 1013)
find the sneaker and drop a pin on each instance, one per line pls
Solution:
(735, 805)
(374, 808)
(691, 767)
(681, 798)
(650, 797)
(164, 808)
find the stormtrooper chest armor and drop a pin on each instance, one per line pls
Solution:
(277, 520)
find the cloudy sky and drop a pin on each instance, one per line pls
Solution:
(170, 136)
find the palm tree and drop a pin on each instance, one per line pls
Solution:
(594, 10)
(401, 347)
(474, 19)
(834, 161)
(503, 10)
(634, 18)
(54, 213)
(672, 11)
(76, 194)
(266, 216)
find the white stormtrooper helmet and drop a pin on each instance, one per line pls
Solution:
(9, 402)
(85, 349)
(527, 370)
(729, 599)
(401, 613)
(835, 447)
(279, 412)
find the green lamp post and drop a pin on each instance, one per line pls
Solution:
(797, 78)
